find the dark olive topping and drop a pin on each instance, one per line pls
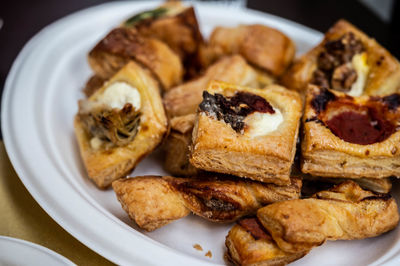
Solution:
(392, 101)
(333, 69)
(233, 110)
(118, 127)
(149, 14)
(218, 205)
(320, 101)
(255, 228)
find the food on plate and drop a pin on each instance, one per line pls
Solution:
(174, 24)
(353, 137)
(346, 60)
(247, 132)
(124, 44)
(261, 46)
(288, 230)
(344, 212)
(185, 98)
(153, 201)
(94, 83)
(315, 183)
(248, 243)
(176, 146)
(120, 124)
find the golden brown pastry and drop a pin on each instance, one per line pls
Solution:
(120, 124)
(176, 146)
(262, 46)
(184, 99)
(174, 24)
(93, 84)
(346, 60)
(124, 44)
(344, 212)
(155, 201)
(248, 243)
(247, 132)
(350, 137)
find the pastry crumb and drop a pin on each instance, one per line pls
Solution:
(208, 254)
(198, 247)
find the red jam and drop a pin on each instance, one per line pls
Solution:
(253, 226)
(360, 128)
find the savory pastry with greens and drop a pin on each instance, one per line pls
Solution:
(120, 124)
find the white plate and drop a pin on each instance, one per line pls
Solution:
(39, 103)
(15, 251)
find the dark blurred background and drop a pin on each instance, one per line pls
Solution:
(22, 19)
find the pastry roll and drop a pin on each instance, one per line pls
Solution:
(352, 137)
(120, 124)
(346, 60)
(155, 201)
(174, 24)
(343, 213)
(124, 44)
(262, 46)
(248, 243)
(185, 98)
(247, 132)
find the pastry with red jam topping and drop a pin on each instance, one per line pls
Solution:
(352, 137)
(247, 132)
(346, 60)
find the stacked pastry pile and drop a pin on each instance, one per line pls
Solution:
(229, 132)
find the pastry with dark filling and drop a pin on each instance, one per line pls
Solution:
(285, 231)
(174, 24)
(247, 132)
(346, 60)
(261, 46)
(153, 201)
(125, 44)
(120, 124)
(353, 137)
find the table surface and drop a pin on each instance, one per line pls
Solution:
(22, 217)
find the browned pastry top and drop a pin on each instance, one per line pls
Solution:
(370, 121)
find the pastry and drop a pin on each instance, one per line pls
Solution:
(261, 46)
(286, 231)
(155, 201)
(120, 124)
(185, 98)
(346, 60)
(124, 44)
(176, 147)
(344, 212)
(352, 137)
(247, 132)
(174, 24)
(248, 243)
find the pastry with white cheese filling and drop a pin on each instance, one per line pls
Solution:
(120, 124)
(247, 132)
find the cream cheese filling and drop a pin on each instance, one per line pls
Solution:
(359, 63)
(260, 124)
(118, 94)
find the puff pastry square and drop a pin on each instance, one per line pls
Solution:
(351, 137)
(106, 159)
(347, 59)
(224, 142)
